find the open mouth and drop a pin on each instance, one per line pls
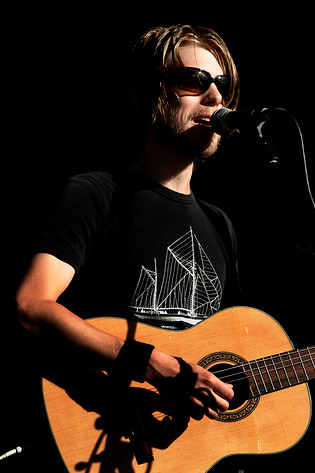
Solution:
(205, 121)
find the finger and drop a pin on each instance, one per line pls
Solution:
(210, 398)
(196, 408)
(221, 403)
(203, 406)
(225, 391)
(211, 413)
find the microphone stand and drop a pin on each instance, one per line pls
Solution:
(267, 147)
(135, 430)
(254, 130)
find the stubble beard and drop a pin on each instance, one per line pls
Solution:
(199, 142)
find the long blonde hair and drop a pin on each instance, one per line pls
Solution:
(157, 52)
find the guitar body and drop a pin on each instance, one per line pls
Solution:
(267, 424)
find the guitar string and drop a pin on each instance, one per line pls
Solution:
(282, 363)
(267, 368)
(168, 409)
(171, 409)
(260, 371)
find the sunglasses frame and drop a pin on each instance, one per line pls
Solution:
(221, 81)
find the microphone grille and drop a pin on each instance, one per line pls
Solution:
(217, 119)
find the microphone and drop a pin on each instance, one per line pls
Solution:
(224, 120)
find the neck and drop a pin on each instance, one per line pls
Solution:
(280, 371)
(160, 162)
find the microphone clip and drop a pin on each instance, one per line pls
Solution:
(250, 123)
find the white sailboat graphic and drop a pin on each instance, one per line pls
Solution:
(190, 288)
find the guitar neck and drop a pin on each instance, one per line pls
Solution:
(280, 371)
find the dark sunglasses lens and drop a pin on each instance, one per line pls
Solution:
(192, 81)
(197, 81)
(223, 85)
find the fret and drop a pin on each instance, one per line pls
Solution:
(252, 394)
(301, 361)
(261, 378)
(252, 381)
(284, 369)
(302, 364)
(276, 372)
(268, 374)
(309, 365)
(293, 368)
(280, 371)
(285, 381)
(311, 356)
(264, 373)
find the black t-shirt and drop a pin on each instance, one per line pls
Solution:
(142, 251)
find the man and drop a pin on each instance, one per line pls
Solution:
(157, 255)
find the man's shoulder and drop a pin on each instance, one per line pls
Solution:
(221, 223)
(95, 184)
(100, 180)
(214, 211)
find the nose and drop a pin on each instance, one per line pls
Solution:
(212, 96)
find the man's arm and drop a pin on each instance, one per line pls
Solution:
(40, 313)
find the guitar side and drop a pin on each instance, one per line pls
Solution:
(269, 428)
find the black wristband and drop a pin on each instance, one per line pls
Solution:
(132, 361)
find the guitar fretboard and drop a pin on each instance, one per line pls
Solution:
(280, 371)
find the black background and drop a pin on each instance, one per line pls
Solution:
(66, 112)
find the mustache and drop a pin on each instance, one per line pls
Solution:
(198, 114)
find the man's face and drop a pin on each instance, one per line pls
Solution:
(184, 125)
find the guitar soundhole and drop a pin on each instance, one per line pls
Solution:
(233, 375)
(227, 367)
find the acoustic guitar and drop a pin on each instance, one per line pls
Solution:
(270, 412)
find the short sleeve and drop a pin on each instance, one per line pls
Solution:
(78, 218)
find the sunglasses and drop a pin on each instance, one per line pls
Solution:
(197, 81)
